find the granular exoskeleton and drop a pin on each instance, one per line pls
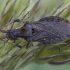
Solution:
(48, 30)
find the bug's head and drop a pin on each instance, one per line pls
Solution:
(10, 34)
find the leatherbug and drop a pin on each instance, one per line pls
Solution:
(48, 30)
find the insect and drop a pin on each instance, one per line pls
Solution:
(48, 30)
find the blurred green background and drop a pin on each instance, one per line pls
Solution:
(38, 9)
(34, 66)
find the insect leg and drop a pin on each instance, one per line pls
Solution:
(16, 20)
(29, 44)
(19, 46)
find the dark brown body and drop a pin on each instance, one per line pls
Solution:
(49, 30)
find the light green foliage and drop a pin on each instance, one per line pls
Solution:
(12, 57)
